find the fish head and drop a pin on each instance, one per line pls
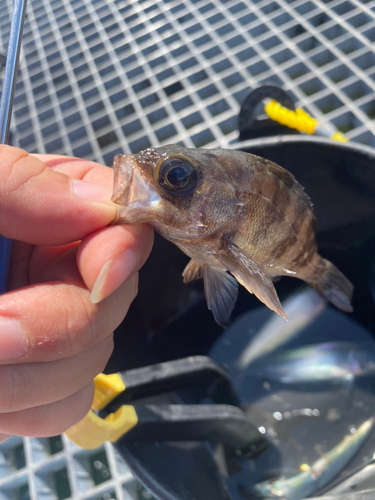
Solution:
(183, 193)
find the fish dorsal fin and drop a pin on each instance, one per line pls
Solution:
(221, 291)
(249, 274)
(193, 271)
(287, 179)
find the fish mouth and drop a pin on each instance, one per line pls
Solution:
(123, 166)
(136, 195)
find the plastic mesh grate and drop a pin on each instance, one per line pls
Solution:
(98, 77)
(102, 77)
(55, 469)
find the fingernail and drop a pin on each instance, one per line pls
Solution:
(113, 274)
(13, 343)
(91, 191)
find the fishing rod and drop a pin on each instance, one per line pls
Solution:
(6, 105)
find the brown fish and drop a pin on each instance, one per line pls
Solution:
(229, 211)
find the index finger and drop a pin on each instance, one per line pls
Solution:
(43, 206)
(77, 168)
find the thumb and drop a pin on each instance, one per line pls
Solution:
(41, 206)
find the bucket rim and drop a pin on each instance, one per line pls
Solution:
(304, 139)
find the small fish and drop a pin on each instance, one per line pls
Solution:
(320, 473)
(228, 211)
(322, 362)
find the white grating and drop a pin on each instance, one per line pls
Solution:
(102, 77)
(99, 77)
(55, 469)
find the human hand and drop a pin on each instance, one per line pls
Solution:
(54, 339)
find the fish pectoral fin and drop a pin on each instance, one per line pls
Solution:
(249, 274)
(193, 271)
(221, 291)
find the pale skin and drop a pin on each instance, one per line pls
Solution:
(71, 281)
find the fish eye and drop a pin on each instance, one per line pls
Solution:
(177, 175)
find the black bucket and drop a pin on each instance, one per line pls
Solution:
(170, 320)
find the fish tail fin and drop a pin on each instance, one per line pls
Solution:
(334, 286)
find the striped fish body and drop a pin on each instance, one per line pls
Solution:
(229, 211)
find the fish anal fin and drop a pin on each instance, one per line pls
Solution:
(193, 271)
(249, 275)
(221, 291)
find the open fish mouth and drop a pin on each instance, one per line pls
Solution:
(132, 191)
(123, 166)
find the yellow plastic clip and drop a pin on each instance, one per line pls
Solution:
(107, 387)
(298, 119)
(92, 430)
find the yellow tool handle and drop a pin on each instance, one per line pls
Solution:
(299, 120)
